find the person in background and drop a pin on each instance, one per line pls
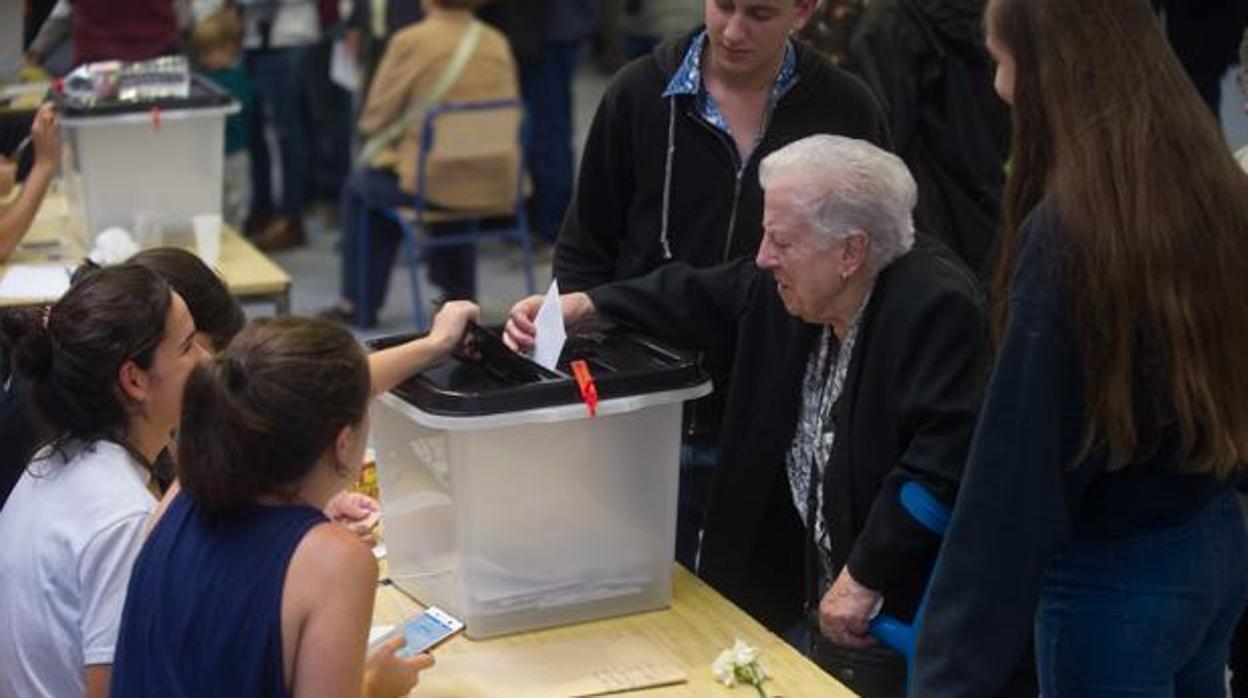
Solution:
(217, 44)
(17, 214)
(369, 29)
(277, 41)
(106, 365)
(547, 86)
(858, 364)
(107, 30)
(832, 27)
(218, 316)
(415, 61)
(1097, 512)
(547, 37)
(1204, 36)
(18, 430)
(252, 490)
(651, 22)
(925, 60)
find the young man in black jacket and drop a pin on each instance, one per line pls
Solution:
(670, 168)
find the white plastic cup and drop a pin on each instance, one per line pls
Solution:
(208, 237)
(147, 230)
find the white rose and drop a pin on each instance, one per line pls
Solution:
(724, 670)
(743, 654)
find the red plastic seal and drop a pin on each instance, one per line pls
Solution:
(585, 381)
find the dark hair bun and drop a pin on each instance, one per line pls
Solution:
(26, 341)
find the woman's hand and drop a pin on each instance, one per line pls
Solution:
(388, 676)
(358, 512)
(449, 325)
(45, 134)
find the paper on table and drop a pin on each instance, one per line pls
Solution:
(590, 665)
(34, 282)
(548, 343)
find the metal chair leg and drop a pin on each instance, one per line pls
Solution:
(412, 247)
(363, 289)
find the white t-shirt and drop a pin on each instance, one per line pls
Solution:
(69, 535)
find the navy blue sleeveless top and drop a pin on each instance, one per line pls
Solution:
(203, 614)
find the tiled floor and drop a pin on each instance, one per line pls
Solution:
(314, 267)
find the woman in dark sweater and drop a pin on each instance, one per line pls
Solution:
(1098, 498)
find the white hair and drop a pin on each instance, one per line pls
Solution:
(845, 184)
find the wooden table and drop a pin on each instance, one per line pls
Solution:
(248, 273)
(692, 632)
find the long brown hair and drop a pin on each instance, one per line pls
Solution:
(1153, 213)
(260, 415)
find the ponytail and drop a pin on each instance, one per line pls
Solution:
(260, 416)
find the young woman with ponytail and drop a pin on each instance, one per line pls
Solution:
(106, 366)
(242, 589)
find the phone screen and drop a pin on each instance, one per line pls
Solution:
(426, 631)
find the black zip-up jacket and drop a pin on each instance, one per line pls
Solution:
(654, 168)
(907, 413)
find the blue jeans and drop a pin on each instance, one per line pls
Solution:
(451, 268)
(281, 91)
(547, 88)
(697, 470)
(1147, 616)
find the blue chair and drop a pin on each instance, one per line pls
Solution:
(464, 131)
(932, 514)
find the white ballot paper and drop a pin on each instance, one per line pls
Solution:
(548, 343)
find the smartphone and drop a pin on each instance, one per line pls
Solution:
(426, 632)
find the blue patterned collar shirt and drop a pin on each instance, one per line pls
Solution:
(688, 81)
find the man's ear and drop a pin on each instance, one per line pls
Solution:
(805, 10)
(133, 382)
(854, 253)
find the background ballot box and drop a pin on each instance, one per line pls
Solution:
(506, 504)
(146, 167)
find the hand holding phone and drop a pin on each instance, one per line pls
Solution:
(425, 632)
(386, 675)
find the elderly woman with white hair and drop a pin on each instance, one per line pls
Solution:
(859, 358)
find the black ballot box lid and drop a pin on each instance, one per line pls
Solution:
(204, 94)
(494, 380)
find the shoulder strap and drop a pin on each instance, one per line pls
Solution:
(391, 133)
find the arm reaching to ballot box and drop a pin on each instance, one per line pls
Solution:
(390, 367)
(17, 215)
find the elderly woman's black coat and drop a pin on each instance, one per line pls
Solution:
(907, 413)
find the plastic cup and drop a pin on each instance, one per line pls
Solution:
(208, 237)
(147, 230)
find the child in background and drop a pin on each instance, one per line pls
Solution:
(216, 42)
